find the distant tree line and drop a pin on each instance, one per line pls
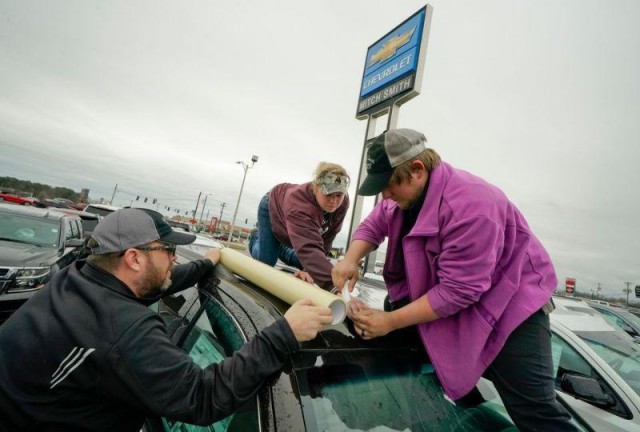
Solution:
(38, 190)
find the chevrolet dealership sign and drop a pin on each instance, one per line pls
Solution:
(393, 67)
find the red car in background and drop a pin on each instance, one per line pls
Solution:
(17, 199)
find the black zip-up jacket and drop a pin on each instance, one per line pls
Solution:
(85, 354)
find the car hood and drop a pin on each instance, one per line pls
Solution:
(14, 254)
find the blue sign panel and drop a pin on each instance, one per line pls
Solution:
(393, 57)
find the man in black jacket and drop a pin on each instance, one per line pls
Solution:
(86, 352)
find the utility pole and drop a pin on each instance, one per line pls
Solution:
(114, 194)
(204, 205)
(220, 218)
(195, 212)
(627, 290)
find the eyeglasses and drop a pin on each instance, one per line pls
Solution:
(171, 248)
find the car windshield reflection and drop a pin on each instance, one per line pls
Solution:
(29, 230)
(380, 390)
(619, 353)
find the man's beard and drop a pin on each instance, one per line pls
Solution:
(155, 282)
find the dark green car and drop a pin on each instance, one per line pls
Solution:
(336, 382)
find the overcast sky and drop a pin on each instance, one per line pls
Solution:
(162, 98)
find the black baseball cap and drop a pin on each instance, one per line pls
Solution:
(387, 151)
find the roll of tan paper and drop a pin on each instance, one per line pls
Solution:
(283, 285)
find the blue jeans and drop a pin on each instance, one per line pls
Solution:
(264, 246)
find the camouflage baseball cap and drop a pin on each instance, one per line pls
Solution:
(331, 183)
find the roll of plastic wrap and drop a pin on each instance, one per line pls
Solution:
(283, 285)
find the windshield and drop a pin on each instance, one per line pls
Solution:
(30, 230)
(619, 352)
(629, 317)
(379, 391)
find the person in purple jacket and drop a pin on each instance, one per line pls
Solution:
(464, 267)
(298, 223)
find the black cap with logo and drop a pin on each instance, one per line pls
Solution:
(387, 151)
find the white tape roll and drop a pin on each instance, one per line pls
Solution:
(283, 285)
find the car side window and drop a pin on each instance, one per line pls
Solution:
(613, 319)
(205, 348)
(79, 228)
(75, 231)
(566, 359)
(68, 230)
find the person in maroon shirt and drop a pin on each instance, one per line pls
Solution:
(298, 223)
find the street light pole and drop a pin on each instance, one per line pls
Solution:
(246, 168)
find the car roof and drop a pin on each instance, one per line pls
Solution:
(581, 322)
(34, 211)
(608, 307)
(104, 206)
(267, 307)
(74, 212)
(577, 315)
(569, 301)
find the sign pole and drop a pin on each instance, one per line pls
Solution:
(392, 76)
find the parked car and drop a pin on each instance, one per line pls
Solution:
(62, 203)
(180, 225)
(597, 369)
(100, 209)
(88, 220)
(336, 382)
(378, 267)
(624, 319)
(10, 198)
(221, 236)
(615, 315)
(34, 244)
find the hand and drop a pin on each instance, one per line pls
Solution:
(345, 271)
(306, 320)
(303, 275)
(372, 323)
(356, 305)
(213, 254)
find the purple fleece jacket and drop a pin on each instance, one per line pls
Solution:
(473, 255)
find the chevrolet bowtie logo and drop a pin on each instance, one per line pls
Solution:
(390, 47)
